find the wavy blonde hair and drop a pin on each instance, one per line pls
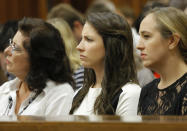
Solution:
(69, 40)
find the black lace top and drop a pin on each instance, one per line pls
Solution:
(169, 101)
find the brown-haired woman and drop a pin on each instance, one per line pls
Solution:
(106, 52)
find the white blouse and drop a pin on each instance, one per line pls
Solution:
(54, 100)
(127, 104)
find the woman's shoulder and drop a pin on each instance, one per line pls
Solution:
(55, 88)
(150, 88)
(151, 84)
(12, 84)
(131, 87)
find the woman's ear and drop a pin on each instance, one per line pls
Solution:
(174, 41)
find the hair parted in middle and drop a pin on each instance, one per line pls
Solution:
(119, 65)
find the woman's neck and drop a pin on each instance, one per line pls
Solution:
(23, 90)
(171, 71)
(21, 95)
(99, 72)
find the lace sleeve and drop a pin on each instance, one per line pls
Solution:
(184, 102)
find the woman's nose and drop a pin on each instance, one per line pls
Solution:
(80, 46)
(140, 45)
(7, 51)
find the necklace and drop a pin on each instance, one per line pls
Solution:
(30, 101)
(9, 106)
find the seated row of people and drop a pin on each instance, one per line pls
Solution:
(44, 84)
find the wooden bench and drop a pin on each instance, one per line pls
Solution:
(94, 123)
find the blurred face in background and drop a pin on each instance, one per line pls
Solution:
(2, 61)
(91, 48)
(77, 30)
(17, 58)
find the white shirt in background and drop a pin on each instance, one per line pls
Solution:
(136, 39)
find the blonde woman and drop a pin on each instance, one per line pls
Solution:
(70, 45)
(163, 46)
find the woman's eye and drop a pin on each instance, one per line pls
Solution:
(146, 36)
(15, 48)
(88, 39)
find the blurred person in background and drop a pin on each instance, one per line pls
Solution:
(70, 45)
(8, 31)
(1, 26)
(148, 6)
(144, 74)
(129, 15)
(179, 4)
(73, 17)
(101, 6)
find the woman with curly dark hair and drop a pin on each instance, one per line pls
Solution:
(44, 84)
(106, 52)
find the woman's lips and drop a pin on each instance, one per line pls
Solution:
(82, 57)
(143, 55)
(7, 61)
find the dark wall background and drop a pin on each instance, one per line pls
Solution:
(16, 9)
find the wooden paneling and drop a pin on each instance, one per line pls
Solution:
(94, 123)
(51, 3)
(42, 9)
(81, 5)
(136, 5)
(16, 9)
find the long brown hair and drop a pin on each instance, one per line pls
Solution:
(119, 65)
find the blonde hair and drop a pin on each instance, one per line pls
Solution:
(69, 40)
(171, 20)
(67, 13)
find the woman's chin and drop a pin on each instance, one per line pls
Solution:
(9, 70)
(85, 65)
(146, 64)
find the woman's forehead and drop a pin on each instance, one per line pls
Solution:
(148, 23)
(19, 38)
(88, 29)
